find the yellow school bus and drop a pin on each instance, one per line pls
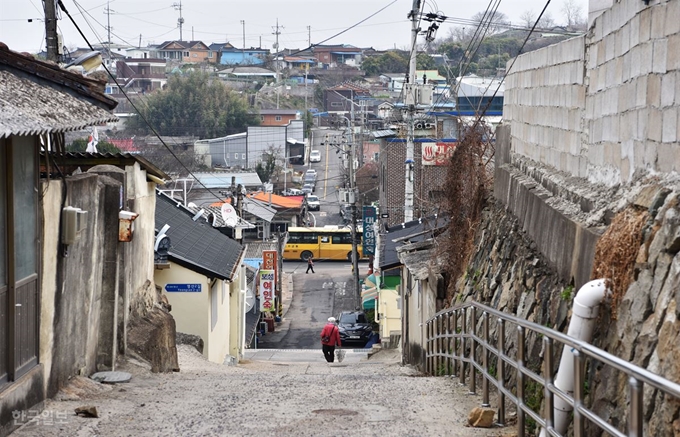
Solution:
(330, 242)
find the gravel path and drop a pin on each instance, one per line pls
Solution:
(375, 397)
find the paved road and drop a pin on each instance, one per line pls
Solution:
(315, 297)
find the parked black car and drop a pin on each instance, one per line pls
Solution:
(354, 328)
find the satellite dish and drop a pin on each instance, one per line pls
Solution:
(229, 215)
(250, 300)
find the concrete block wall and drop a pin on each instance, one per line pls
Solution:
(545, 103)
(606, 105)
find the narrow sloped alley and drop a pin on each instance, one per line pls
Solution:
(281, 393)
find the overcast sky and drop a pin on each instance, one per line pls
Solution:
(221, 20)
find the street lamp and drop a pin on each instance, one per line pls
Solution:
(285, 169)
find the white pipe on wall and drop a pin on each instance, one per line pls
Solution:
(581, 326)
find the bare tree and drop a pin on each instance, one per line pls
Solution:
(573, 13)
(498, 21)
(529, 18)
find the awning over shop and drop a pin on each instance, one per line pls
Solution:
(368, 297)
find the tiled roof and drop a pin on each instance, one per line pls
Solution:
(195, 244)
(30, 105)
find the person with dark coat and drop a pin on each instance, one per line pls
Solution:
(330, 338)
(310, 264)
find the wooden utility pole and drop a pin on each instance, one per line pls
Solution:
(51, 39)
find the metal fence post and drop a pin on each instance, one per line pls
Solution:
(579, 360)
(485, 361)
(636, 403)
(501, 372)
(454, 348)
(463, 331)
(473, 350)
(428, 351)
(448, 344)
(520, 382)
(548, 366)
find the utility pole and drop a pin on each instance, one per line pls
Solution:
(309, 36)
(353, 199)
(108, 29)
(243, 23)
(51, 39)
(411, 102)
(180, 21)
(277, 32)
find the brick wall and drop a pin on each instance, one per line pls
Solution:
(427, 182)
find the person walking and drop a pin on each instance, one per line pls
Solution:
(330, 338)
(310, 264)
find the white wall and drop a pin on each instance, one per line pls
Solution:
(606, 105)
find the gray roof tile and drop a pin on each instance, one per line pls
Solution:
(196, 244)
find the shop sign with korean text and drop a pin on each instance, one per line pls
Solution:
(437, 153)
(269, 262)
(267, 291)
(368, 240)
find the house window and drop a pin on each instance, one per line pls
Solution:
(376, 156)
(210, 54)
(186, 54)
(243, 156)
(278, 118)
(261, 117)
(336, 104)
(236, 156)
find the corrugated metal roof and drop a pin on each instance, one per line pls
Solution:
(195, 244)
(223, 180)
(85, 159)
(38, 97)
(383, 133)
(415, 229)
(29, 108)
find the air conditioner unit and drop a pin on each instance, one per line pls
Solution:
(419, 125)
(430, 125)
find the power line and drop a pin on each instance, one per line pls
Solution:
(63, 8)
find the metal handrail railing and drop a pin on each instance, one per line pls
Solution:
(451, 333)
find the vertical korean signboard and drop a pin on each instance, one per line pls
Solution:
(269, 262)
(369, 232)
(267, 290)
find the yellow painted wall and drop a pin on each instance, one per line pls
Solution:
(218, 337)
(390, 314)
(190, 310)
(236, 318)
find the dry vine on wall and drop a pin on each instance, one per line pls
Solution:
(468, 182)
(617, 250)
